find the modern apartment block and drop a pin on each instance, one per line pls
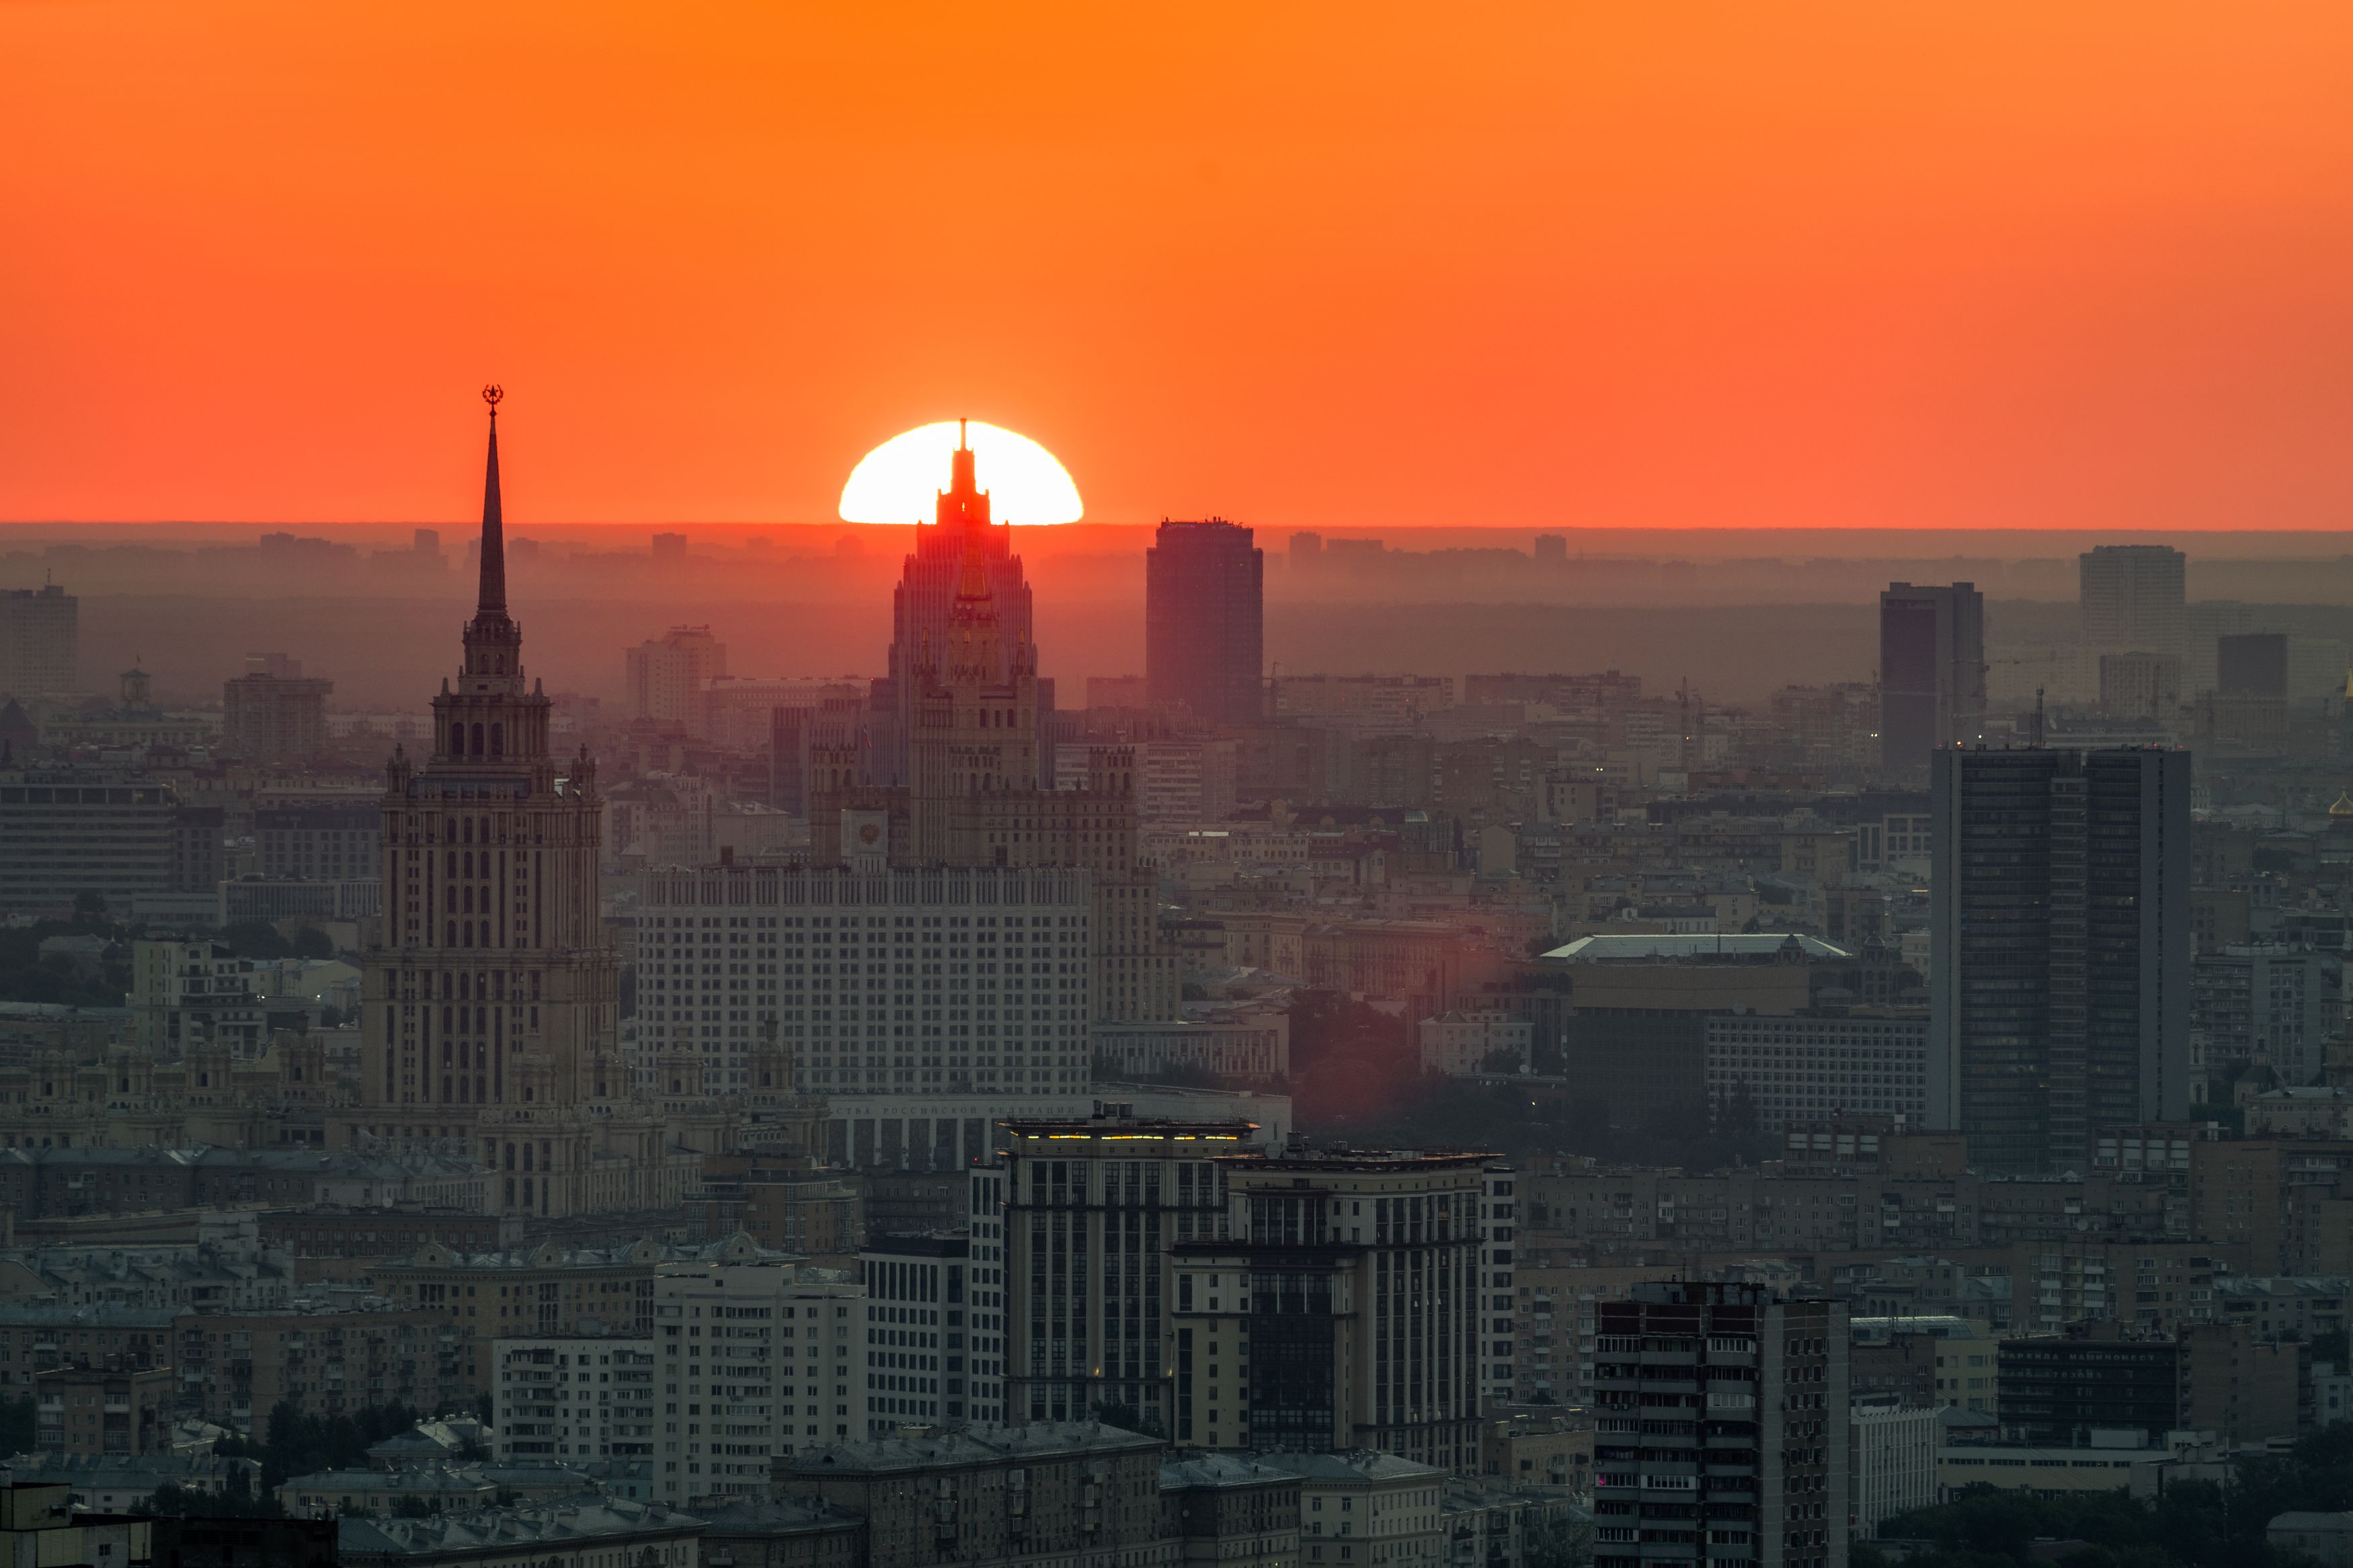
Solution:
(1932, 673)
(1721, 1428)
(1496, 1282)
(1346, 1306)
(919, 1367)
(1091, 1208)
(2060, 971)
(564, 1399)
(1204, 620)
(194, 994)
(2054, 1389)
(756, 1361)
(987, 1338)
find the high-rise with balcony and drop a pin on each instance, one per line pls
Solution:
(2060, 976)
(1204, 620)
(1720, 1428)
(1932, 673)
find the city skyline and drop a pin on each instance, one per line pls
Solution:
(1643, 857)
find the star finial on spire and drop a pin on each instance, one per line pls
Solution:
(491, 601)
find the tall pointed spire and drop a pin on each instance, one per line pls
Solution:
(491, 601)
(964, 502)
(960, 475)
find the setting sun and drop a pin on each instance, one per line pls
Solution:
(899, 480)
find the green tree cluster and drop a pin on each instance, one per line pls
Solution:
(261, 939)
(238, 1503)
(299, 1444)
(26, 976)
(20, 1425)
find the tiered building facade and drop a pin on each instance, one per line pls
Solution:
(492, 993)
(968, 702)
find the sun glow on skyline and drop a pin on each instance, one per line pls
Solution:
(900, 481)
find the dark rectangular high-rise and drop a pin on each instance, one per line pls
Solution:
(2251, 664)
(1205, 620)
(2059, 974)
(1932, 673)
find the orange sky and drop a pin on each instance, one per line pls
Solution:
(1890, 262)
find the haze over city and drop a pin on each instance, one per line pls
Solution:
(1300, 787)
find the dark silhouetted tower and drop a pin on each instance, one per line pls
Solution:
(1932, 673)
(2059, 968)
(1205, 620)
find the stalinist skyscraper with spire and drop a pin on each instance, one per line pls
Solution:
(965, 702)
(493, 994)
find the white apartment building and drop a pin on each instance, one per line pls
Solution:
(922, 1310)
(985, 1283)
(931, 983)
(563, 1399)
(752, 1360)
(1891, 1461)
(1806, 1067)
(1499, 1228)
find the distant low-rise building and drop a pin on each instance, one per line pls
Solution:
(1228, 1044)
(587, 1531)
(1074, 1492)
(1363, 1507)
(122, 1483)
(1459, 1042)
(1232, 1511)
(333, 1494)
(2326, 1538)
